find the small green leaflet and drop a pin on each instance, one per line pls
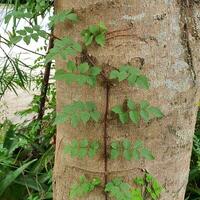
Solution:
(27, 34)
(67, 15)
(132, 75)
(136, 112)
(95, 33)
(83, 187)
(82, 148)
(82, 74)
(129, 151)
(148, 112)
(63, 48)
(78, 112)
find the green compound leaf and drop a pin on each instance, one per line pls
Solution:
(137, 112)
(67, 15)
(82, 148)
(78, 112)
(63, 48)
(83, 187)
(27, 34)
(132, 75)
(82, 74)
(94, 33)
(128, 151)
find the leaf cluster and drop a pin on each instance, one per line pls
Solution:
(31, 10)
(83, 187)
(132, 74)
(63, 48)
(66, 15)
(94, 33)
(128, 151)
(118, 189)
(78, 112)
(82, 148)
(136, 112)
(27, 34)
(82, 74)
(150, 184)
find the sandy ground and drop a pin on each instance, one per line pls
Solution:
(11, 103)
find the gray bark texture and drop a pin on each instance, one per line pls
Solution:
(162, 38)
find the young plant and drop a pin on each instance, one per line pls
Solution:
(136, 112)
(132, 74)
(81, 74)
(83, 187)
(129, 151)
(82, 148)
(118, 189)
(95, 33)
(78, 112)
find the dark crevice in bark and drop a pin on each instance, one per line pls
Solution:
(106, 137)
(185, 7)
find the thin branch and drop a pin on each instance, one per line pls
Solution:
(44, 87)
(7, 41)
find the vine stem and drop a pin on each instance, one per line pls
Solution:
(106, 136)
(44, 88)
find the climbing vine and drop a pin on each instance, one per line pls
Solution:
(87, 73)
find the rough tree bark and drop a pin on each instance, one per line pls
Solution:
(163, 40)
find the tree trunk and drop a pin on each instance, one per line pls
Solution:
(161, 37)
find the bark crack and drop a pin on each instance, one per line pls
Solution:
(185, 31)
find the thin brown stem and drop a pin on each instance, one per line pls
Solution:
(122, 35)
(44, 87)
(117, 31)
